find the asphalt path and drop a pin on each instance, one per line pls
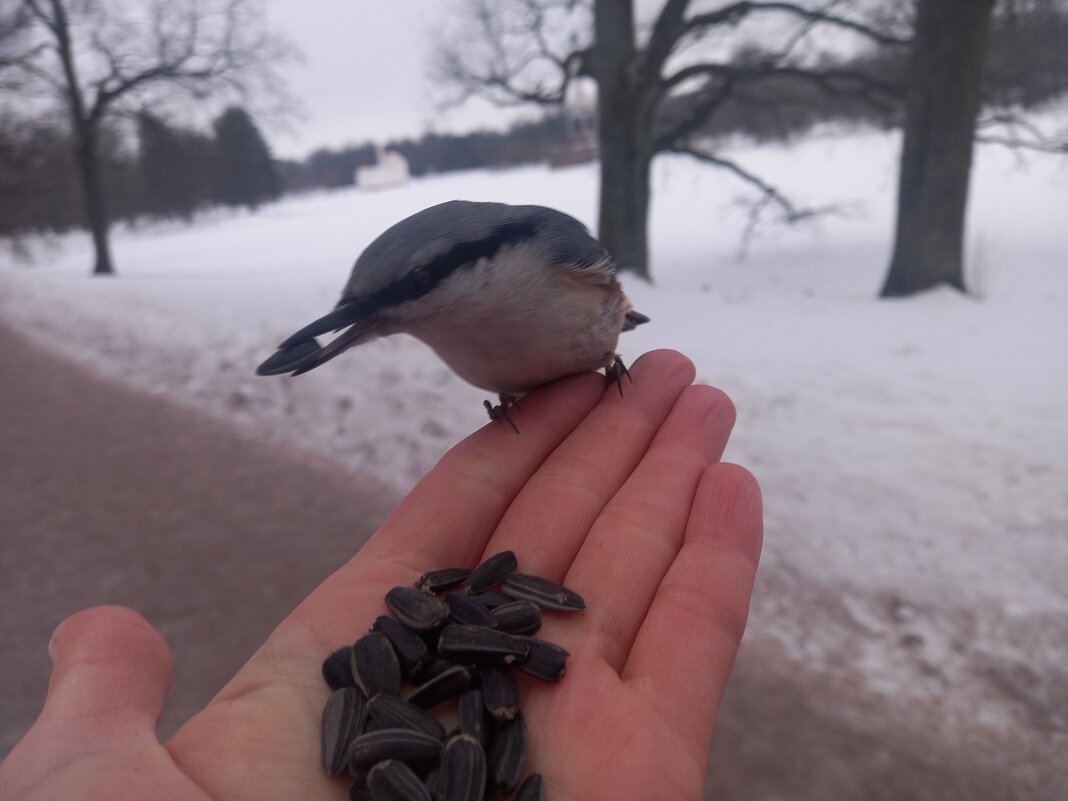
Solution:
(110, 496)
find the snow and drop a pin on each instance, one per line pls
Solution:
(913, 454)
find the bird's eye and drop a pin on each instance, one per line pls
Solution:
(419, 281)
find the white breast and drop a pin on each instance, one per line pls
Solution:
(514, 325)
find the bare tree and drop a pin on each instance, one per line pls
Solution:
(942, 104)
(100, 59)
(529, 51)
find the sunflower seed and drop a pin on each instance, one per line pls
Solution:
(394, 781)
(491, 600)
(431, 670)
(545, 660)
(358, 790)
(344, 717)
(506, 754)
(411, 651)
(447, 684)
(531, 789)
(518, 617)
(463, 769)
(416, 749)
(391, 712)
(465, 610)
(472, 712)
(434, 783)
(438, 580)
(337, 669)
(491, 572)
(546, 594)
(480, 644)
(417, 610)
(500, 692)
(375, 665)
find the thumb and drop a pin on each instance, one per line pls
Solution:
(110, 673)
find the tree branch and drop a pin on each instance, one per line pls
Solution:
(669, 27)
(769, 196)
(516, 62)
(1017, 133)
(699, 113)
(736, 12)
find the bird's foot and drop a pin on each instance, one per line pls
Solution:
(500, 411)
(613, 374)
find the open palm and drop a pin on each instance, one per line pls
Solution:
(623, 499)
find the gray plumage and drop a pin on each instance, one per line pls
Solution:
(509, 296)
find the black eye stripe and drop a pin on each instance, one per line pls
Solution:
(460, 256)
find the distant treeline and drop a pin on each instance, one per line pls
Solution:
(171, 171)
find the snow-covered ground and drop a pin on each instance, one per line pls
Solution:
(913, 454)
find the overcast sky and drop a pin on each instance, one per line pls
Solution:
(364, 75)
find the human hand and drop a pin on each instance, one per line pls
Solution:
(622, 499)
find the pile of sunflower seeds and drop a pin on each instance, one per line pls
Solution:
(452, 643)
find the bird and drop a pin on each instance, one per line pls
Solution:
(510, 297)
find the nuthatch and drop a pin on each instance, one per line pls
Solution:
(510, 297)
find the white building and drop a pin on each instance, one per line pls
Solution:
(391, 169)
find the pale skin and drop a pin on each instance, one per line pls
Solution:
(623, 499)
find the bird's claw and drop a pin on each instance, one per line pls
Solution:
(613, 374)
(500, 411)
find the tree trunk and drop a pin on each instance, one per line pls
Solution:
(944, 95)
(625, 133)
(85, 126)
(93, 195)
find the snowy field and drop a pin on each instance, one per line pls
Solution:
(913, 454)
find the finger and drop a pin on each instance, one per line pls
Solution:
(110, 673)
(550, 518)
(449, 516)
(686, 645)
(444, 521)
(636, 539)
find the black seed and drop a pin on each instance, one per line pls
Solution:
(344, 717)
(531, 789)
(435, 784)
(358, 790)
(375, 665)
(411, 651)
(431, 670)
(445, 685)
(438, 580)
(479, 644)
(465, 610)
(416, 749)
(391, 712)
(518, 617)
(544, 593)
(491, 600)
(545, 660)
(506, 755)
(394, 781)
(417, 610)
(472, 711)
(337, 669)
(463, 769)
(500, 692)
(491, 572)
